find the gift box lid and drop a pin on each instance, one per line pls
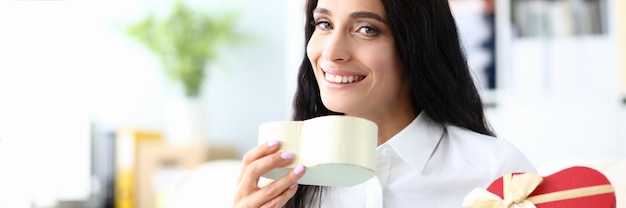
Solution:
(571, 187)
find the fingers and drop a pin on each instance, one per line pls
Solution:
(257, 153)
(280, 191)
(259, 161)
(259, 167)
(260, 151)
(274, 194)
(278, 186)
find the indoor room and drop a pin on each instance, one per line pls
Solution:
(153, 103)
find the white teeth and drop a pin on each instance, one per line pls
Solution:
(338, 79)
(342, 79)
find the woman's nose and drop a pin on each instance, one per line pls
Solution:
(338, 48)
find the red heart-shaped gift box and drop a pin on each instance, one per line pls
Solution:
(569, 188)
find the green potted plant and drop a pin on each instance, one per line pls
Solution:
(186, 41)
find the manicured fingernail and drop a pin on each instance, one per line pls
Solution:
(298, 170)
(286, 155)
(272, 143)
(293, 185)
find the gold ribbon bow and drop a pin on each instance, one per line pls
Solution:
(516, 189)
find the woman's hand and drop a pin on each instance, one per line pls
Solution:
(257, 162)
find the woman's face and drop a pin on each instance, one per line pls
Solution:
(354, 59)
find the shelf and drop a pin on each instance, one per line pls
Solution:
(563, 61)
(559, 18)
(562, 87)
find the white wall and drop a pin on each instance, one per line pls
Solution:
(295, 45)
(64, 64)
(252, 91)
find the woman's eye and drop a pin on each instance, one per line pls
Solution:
(324, 25)
(368, 30)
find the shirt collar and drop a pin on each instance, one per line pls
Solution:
(416, 143)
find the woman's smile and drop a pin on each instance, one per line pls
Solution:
(340, 78)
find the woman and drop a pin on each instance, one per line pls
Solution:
(397, 63)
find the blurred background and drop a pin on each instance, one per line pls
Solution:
(94, 113)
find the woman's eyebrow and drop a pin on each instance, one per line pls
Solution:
(359, 14)
(321, 10)
(370, 15)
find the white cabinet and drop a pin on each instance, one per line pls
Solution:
(559, 94)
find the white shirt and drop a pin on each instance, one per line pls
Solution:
(430, 165)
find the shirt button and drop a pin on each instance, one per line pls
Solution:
(386, 152)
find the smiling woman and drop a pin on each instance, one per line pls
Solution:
(399, 64)
(358, 42)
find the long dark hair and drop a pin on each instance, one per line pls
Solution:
(426, 38)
